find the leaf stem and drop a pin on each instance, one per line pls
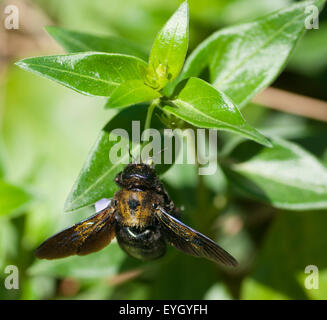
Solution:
(148, 119)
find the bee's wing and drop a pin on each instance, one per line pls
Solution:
(190, 241)
(85, 237)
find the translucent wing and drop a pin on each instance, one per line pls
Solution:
(85, 237)
(190, 241)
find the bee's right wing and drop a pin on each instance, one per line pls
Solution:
(191, 241)
(85, 237)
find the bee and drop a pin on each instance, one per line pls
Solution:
(142, 217)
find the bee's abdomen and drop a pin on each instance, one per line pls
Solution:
(145, 244)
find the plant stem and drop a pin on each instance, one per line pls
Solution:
(292, 103)
(148, 118)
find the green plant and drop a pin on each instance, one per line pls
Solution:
(220, 77)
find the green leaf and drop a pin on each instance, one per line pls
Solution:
(202, 105)
(285, 176)
(219, 291)
(131, 92)
(309, 57)
(12, 198)
(2, 161)
(169, 49)
(8, 240)
(73, 41)
(89, 73)
(294, 241)
(179, 269)
(96, 179)
(99, 264)
(244, 59)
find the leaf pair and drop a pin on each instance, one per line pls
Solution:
(128, 80)
(99, 74)
(240, 61)
(165, 63)
(169, 49)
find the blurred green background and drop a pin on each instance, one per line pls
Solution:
(47, 131)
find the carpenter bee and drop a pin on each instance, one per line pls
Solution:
(142, 217)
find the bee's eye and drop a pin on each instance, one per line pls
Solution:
(155, 205)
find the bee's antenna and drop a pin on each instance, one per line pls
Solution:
(162, 150)
(131, 155)
(150, 161)
(146, 160)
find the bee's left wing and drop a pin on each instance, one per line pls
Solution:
(190, 241)
(85, 237)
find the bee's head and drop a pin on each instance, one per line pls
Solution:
(140, 176)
